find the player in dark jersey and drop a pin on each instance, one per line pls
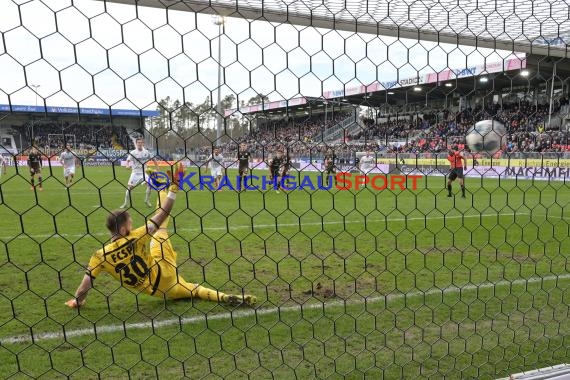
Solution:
(287, 164)
(243, 158)
(455, 159)
(329, 162)
(35, 165)
(274, 169)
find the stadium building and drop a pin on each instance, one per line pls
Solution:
(531, 79)
(88, 130)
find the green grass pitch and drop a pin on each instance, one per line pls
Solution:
(385, 284)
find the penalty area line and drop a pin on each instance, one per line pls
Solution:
(303, 224)
(274, 310)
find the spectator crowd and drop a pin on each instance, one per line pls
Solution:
(302, 136)
(434, 132)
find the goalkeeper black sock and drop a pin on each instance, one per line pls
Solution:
(463, 190)
(208, 294)
(33, 182)
(449, 189)
(40, 181)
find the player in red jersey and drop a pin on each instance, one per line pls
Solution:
(455, 158)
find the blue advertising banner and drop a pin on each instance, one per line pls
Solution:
(75, 110)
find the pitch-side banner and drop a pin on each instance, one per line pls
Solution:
(514, 172)
(497, 162)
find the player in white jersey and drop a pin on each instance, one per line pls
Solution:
(367, 163)
(4, 165)
(67, 159)
(216, 161)
(136, 162)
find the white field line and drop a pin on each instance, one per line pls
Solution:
(8, 194)
(96, 330)
(302, 224)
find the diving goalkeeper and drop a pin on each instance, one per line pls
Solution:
(144, 259)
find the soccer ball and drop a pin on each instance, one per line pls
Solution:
(486, 136)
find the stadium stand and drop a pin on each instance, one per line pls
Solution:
(432, 132)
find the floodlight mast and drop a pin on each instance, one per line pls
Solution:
(219, 20)
(35, 86)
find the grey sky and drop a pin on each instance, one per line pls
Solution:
(178, 56)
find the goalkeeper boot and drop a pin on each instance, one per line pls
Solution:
(237, 300)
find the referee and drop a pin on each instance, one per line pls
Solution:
(455, 159)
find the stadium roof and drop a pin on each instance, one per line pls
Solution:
(506, 74)
(540, 27)
(77, 111)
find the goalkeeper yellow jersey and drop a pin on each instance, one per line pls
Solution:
(129, 260)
